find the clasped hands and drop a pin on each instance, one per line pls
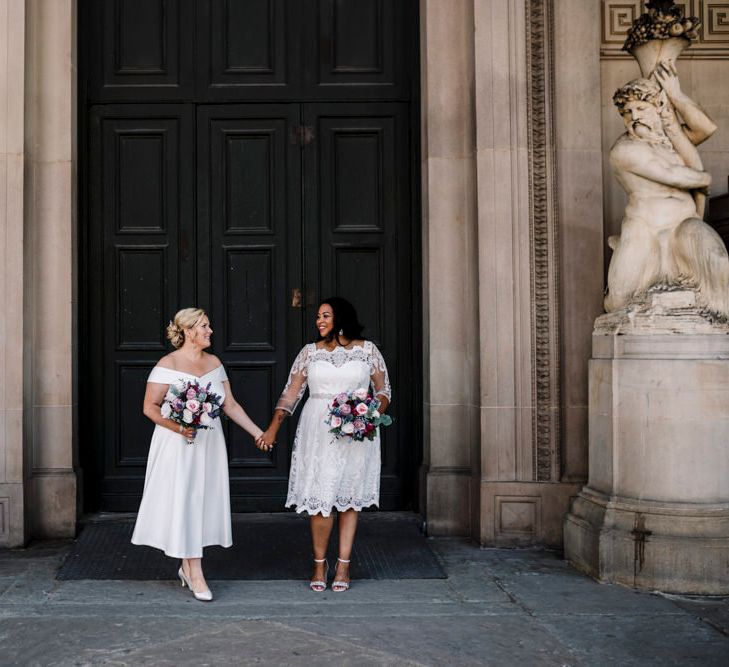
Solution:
(266, 441)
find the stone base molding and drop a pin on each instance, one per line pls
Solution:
(12, 520)
(671, 547)
(655, 512)
(524, 513)
(56, 492)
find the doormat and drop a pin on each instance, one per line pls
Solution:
(265, 547)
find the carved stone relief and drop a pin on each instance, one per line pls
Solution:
(544, 243)
(713, 37)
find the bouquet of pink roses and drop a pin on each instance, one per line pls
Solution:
(191, 405)
(355, 415)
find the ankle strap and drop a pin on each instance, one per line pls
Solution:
(341, 560)
(323, 560)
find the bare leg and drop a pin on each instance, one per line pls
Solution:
(321, 529)
(192, 567)
(347, 531)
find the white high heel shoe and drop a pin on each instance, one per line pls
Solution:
(205, 596)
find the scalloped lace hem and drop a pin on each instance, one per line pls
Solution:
(317, 508)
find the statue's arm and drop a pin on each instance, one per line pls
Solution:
(639, 160)
(698, 126)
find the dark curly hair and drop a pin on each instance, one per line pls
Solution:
(345, 320)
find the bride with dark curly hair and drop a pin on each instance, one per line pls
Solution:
(331, 474)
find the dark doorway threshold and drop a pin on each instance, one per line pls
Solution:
(390, 545)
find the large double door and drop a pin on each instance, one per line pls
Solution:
(253, 210)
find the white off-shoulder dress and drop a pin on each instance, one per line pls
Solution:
(326, 472)
(186, 501)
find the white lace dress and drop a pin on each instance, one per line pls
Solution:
(186, 501)
(327, 472)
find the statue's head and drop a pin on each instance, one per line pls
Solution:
(640, 103)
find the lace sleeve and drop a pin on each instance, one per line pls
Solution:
(378, 374)
(296, 385)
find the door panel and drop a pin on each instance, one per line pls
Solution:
(248, 50)
(360, 51)
(357, 236)
(141, 179)
(139, 49)
(249, 185)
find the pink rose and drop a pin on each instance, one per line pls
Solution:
(361, 394)
(342, 398)
(208, 407)
(178, 404)
(359, 425)
(345, 409)
(191, 393)
(336, 422)
(361, 409)
(193, 406)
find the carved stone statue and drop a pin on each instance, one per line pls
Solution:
(663, 239)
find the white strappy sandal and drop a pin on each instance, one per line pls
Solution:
(320, 586)
(340, 586)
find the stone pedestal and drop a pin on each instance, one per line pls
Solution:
(655, 512)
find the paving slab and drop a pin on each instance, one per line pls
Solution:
(637, 640)
(496, 607)
(461, 640)
(125, 641)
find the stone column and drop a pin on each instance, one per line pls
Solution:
(527, 215)
(451, 327)
(14, 393)
(50, 246)
(505, 400)
(580, 204)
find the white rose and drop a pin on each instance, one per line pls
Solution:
(187, 416)
(361, 394)
(348, 428)
(336, 422)
(166, 410)
(205, 419)
(375, 414)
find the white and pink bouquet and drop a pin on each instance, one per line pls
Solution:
(191, 405)
(356, 415)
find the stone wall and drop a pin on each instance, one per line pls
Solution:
(524, 163)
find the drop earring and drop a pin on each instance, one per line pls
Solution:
(341, 332)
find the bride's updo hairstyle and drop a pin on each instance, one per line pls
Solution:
(186, 318)
(345, 320)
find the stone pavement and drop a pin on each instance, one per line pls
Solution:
(497, 607)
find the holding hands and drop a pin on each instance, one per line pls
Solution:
(266, 441)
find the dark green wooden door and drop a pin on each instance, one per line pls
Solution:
(249, 157)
